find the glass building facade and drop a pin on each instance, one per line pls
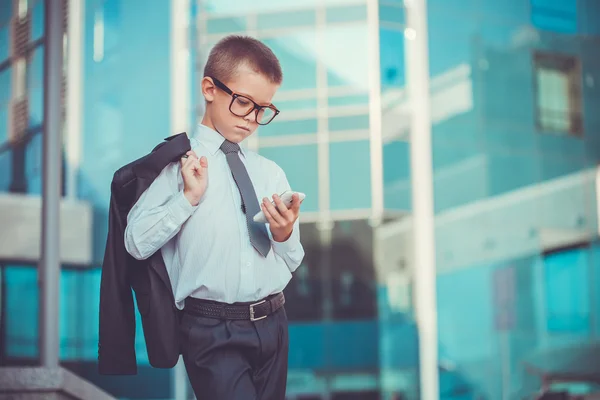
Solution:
(515, 143)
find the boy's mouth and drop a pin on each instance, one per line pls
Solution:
(243, 127)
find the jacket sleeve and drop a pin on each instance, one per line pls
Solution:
(158, 214)
(116, 345)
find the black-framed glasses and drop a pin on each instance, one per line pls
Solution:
(242, 106)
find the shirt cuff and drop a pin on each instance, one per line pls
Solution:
(286, 246)
(180, 208)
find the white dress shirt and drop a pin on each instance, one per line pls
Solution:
(206, 248)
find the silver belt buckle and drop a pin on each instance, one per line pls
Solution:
(252, 311)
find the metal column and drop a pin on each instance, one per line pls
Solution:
(180, 121)
(49, 269)
(74, 117)
(417, 63)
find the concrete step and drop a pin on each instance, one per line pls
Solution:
(36, 383)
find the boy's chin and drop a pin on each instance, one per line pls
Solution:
(237, 134)
(233, 136)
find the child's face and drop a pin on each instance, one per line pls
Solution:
(246, 83)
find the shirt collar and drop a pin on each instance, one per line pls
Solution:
(212, 139)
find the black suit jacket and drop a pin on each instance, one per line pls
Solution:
(148, 278)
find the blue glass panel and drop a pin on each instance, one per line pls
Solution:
(90, 299)
(510, 171)
(511, 11)
(391, 50)
(4, 41)
(342, 44)
(450, 41)
(288, 106)
(552, 166)
(588, 12)
(5, 171)
(392, 13)
(567, 291)
(396, 176)
(466, 335)
(281, 127)
(3, 123)
(301, 168)
(21, 311)
(112, 25)
(35, 87)
(5, 12)
(225, 25)
(287, 19)
(556, 16)
(354, 100)
(297, 55)
(5, 86)
(37, 20)
(350, 175)
(33, 165)
(349, 123)
(346, 14)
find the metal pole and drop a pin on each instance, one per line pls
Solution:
(422, 196)
(74, 121)
(180, 121)
(49, 270)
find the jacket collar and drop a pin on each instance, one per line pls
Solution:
(170, 150)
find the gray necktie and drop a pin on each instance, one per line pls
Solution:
(257, 230)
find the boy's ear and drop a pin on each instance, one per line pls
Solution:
(208, 89)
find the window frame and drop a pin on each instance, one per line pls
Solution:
(570, 66)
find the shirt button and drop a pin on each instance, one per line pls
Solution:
(248, 264)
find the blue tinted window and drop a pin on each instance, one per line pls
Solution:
(4, 42)
(3, 123)
(35, 86)
(391, 50)
(396, 175)
(297, 55)
(112, 25)
(5, 86)
(349, 123)
(346, 14)
(301, 168)
(294, 127)
(79, 299)
(37, 20)
(353, 100)
(225, 25)
(33, 165)
(342, 45)
(350, 175)
(21, 311)
(393, 13)
(567, 291)
(556, 16)
(6, 168)
(450, 41)
(5, 12)
(288, 106)
(510, 11)
(286, 19)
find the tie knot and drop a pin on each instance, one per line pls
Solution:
(230, 147)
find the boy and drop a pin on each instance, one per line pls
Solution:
(227, 271)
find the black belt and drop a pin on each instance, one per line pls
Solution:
(248, 311)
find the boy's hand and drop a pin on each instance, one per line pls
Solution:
(195, 177)
(281, 219)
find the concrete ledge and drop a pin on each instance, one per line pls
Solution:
(21, 222)
(46, 383)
